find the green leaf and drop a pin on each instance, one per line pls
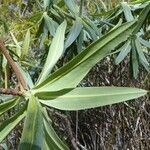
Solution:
(80, 41)
(140, 51)
(73, 7)
(141, 55)
(18, 48)
(91, 31)
(134, 59)
(142, 17)
(32, 136)
(8, 105)
(127, 11)
(51, 25)
(73, 72)
(144, 42)
(55, 51)
(8, 125)
(26, 75)
(124, 50)
(52, 139)
(74, 32)
(25, 47)
(92, 24)
(47, 3)
(84, 98)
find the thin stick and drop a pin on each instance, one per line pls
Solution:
(13, 65)
(10, 92)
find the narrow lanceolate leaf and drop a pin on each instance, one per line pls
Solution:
(124, 50)
(25, 47)
(127, 11)
(135, 60)
(55, 51)
(73, 7)
(32, 136)
(84, 98)
(47, 3)
(7, 126)
(18, 48)
(141, 55)
(8, 105)
(142, 17)
(91, 31)
(72, 73)
(50, 24)
(144, 42)
(51, 138)
(74, 32)
(26, 76)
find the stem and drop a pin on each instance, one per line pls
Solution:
(10, 92)
(13, 65)
(81, 7)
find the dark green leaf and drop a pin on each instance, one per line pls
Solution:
(8, 125)
(32, 136)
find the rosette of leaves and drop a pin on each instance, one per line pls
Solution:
(59, 89)
(81, 29)
(137, 46)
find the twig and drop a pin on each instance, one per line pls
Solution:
(13, 65)
(10, 92)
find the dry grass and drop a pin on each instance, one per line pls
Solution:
(121, 126)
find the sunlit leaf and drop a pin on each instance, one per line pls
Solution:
(83, 98)
(72, 73)
(55, 51)
(25, 47)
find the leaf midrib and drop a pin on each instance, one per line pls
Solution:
(101, 95)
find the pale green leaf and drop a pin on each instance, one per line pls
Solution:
(140, 51)
(47, 3)
(25, 47)
(124, 50)
(84, 98)
(141, 55)
(74, 32)
(26, 75)
(18, 47)
(55, 51)
(73, 7)
(144, 42)
(51, 25)
(127, 11)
